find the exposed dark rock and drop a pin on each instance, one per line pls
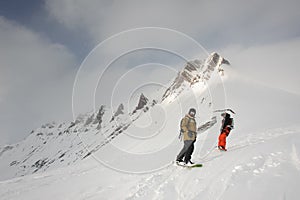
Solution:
(146, 109)
(72, 124)
(226, 62)
(154, 102)
(119, 111)
(13, 163)
(39, 164)
(62, 155)
(142, 102)
(87, 155)
(99, 117)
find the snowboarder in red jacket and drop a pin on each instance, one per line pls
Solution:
(227, 126)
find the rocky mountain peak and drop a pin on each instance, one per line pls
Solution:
(195, 71)
(120, 111)
(142, 102)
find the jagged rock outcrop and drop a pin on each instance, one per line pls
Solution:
(99, 117)
(120, 111)
(142, 102)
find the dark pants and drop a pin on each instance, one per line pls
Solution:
(186, 151)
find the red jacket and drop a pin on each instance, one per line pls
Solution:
(226, 131)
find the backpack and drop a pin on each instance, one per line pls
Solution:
(227, 121)
(230, 123)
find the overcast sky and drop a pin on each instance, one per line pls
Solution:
(43, 43)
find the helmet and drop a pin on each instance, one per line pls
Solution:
(192, 111)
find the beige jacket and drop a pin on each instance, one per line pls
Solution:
(188, 127)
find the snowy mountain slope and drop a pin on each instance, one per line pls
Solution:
(56, 145)
(253, 169)
(262, 161)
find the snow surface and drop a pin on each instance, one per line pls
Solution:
(262, 161)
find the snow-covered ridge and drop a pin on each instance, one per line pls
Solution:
(57, 145)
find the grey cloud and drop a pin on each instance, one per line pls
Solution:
(36, 79)
(217, 25)
(231, 21)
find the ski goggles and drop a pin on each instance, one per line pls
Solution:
(192, 113)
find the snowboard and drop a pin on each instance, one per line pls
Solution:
(190, 166)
